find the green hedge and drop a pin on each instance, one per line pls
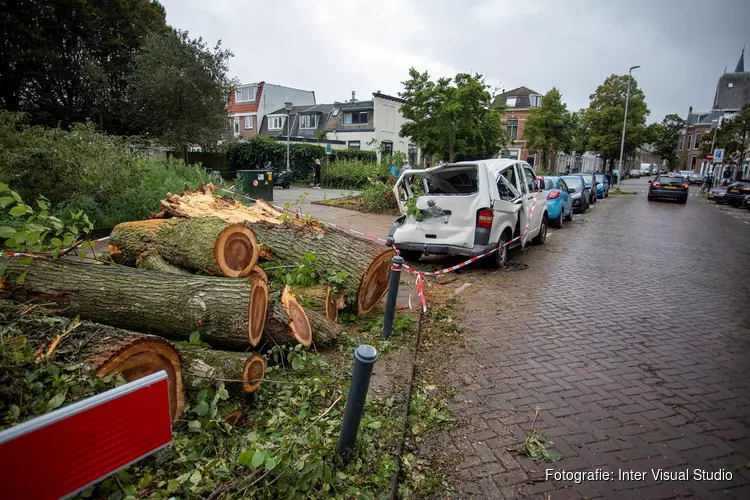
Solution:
(352, 174)
(253, 153)
(362, 155)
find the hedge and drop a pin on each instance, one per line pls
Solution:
(253, 153)
(353, 154)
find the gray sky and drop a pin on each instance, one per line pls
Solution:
(336, 46)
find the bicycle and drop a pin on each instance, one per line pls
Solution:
(706, 186)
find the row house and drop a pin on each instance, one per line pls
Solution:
(518, 104)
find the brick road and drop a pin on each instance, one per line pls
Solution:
(630, 331)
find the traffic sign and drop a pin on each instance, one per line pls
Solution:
(710, 156)
(718, 155)
(63, 452)
(328, 149)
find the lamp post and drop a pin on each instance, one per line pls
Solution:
(624, 125)
(288, 105)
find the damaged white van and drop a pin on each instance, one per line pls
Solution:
(468, 208)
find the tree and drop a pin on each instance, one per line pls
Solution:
(734, 137)
(548, 127)
(605, 116)
(664, 137)
(179, 89)
(451, 118)
(67, 61)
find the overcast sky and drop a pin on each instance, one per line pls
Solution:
(336, 46)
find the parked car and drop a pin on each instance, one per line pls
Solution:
(685, 173)
(559, 202)
(747, 202)
(602, 185)
(578, 192)
(695, 178)
(672, 187)
(590, 186)
(635, 173)
(646, 169)
(736, 192)
(468, 209)
(717, 195)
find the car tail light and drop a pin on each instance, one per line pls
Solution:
(656, 184)
(553, 194)
(684, 185)
(744, 190)
(484, 218)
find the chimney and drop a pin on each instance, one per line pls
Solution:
(353, 98)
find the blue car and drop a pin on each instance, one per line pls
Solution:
(602, 185)
(559, 201)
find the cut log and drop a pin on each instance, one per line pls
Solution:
(320, 298)
(226, 312)
(151, 261)
(240, 369)
(207, 244)
(286, 320)
(324, 331)
(259, 272)
(108, 350)
(367, 264)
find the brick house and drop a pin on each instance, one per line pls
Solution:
(302, 123)
(250, 103)
(518, 103)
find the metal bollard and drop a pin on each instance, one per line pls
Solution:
(390, 301)
(364, 359)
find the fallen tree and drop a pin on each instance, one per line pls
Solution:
(289, 239)
(207, 244)
(226, 312)
(322, 299)
(287, 322)
(236, 369)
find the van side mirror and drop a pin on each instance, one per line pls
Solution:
(649, 182)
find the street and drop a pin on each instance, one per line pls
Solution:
(629, 331)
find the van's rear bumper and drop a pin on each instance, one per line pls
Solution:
(445, 249)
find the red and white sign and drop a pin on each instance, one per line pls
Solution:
(710, 156)
(63, 452)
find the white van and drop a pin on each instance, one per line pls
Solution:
(469, 208)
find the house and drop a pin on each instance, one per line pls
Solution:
(250, 103)
(518, 103)
(302, 123)
(732, 93)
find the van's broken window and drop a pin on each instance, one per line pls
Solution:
(453, 181)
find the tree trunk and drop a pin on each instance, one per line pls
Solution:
(206, 244)
(226, 312)
(287, 322)
(108, 350)
(236, 369)
(151, 261)
(368, 264)
(324, 331)
(321, 298)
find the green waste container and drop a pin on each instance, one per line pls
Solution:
(257, 184)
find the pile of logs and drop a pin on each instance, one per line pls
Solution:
(194, 267)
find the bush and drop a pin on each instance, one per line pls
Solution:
(362, 155)
(256, 151)
(352, 174)
(378, 197)
(82, 169)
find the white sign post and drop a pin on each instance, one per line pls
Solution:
(718, 155)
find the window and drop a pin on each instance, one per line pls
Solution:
(245, 94)
(562, 186)
(356, 118)
(353, 145)
(308, 121)
(530, 179)
(276, 122)
(506, 191)
(248, 122)
(511, 102)
(692, 163)
(453, 181)
(513, 130)
(697, 141)
(386, 147)
(236, 125)
(510, 176)
(412, 154)
(689, 142)
(535, 100)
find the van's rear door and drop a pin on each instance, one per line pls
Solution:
(451, 196)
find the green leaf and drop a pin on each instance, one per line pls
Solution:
(4, 187)
(19, 210)
(375, 425)
(258, 458)
(195, 337)
(6, 232)
(16, 196)
(245, 457)
(297, 363)
(6, 200)
(269, 463)
(56, 401)
(194, 425)
(172, 486)
(53, 370)
(196, 477)
(202, 408)
(145, 481)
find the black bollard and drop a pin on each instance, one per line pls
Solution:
(364, 359)
(390, 301)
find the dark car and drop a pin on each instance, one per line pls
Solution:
(578, 192)
(590, 186)
(717, 195)
(747, 202)
(669, 187)
(736, 192)
(695, 178)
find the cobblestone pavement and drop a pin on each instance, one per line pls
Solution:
(630, 331)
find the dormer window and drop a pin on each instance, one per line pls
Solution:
(245, 94)
(308, 121)
(535, 100)
(511, 102)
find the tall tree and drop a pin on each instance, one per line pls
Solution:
(734, 137)
(452, 118)
(548, 127)
(66, 61)
(179, 89)
(605, 117)
(664, 137)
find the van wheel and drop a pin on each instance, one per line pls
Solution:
(540, 238)
(498, 259)
(410, 255)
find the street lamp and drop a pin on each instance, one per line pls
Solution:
(624, 125)
(288, 105)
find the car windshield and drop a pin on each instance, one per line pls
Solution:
(453, 181)
(588, 178)
(697, 176)
(599, 177)
(574, 182)
(671, 180)
(548, 184)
